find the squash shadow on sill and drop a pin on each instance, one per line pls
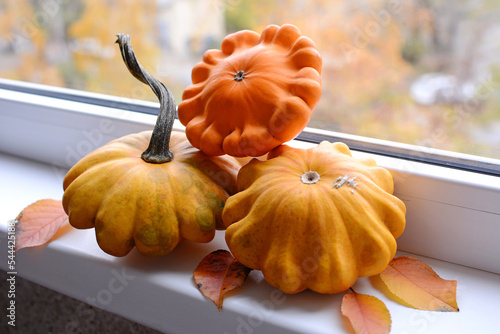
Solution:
(184, 258)
(255, 291)
(260, 292)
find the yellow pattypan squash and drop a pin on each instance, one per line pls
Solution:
(314, 218)
(151, 189)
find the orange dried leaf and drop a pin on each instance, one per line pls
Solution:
(218, 273)
(39, 222)
(418, 285)
(367, 314)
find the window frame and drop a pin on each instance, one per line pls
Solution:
(429, 155)
(59, 132)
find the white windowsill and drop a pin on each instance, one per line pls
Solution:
(161, 294)
(453, 217)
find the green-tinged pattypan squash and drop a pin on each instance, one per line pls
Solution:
(314, 218)
(151, 189)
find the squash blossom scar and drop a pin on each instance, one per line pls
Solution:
(310, 177)
(340, 181)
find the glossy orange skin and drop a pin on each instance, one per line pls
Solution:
(269, 106)
(151, 206)
(314, 236)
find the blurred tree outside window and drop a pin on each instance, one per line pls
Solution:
(422, 72)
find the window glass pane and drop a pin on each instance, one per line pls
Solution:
(424, 72)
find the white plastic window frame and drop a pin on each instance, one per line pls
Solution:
(452, 215)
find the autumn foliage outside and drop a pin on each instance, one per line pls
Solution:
(418, 72)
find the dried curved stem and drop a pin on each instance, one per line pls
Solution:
(158, 150)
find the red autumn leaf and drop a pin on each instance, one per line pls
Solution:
(418, 285)
(218, 273)
(367, 314)
(39, 222)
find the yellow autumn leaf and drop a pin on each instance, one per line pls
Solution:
(367, 314)
(418, 285)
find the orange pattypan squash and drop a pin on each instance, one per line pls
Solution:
(255, 93)
(314, 218)
(152, 199)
